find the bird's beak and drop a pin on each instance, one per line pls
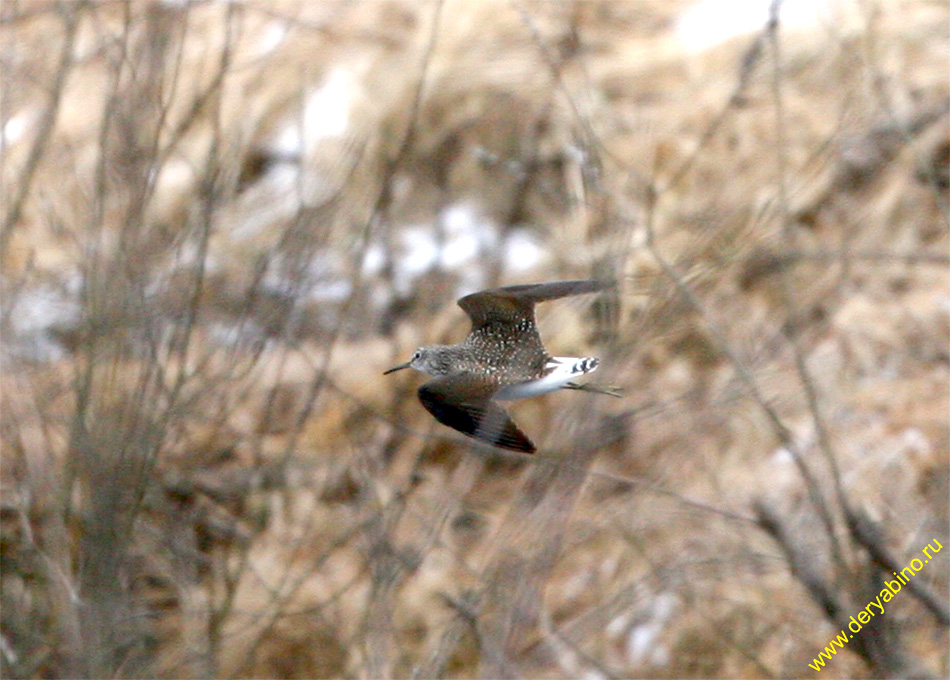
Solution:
(398, 368)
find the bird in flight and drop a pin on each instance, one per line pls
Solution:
(502, 359)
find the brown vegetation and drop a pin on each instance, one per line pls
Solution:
(222, 221)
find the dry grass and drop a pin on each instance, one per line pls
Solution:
(222, 221)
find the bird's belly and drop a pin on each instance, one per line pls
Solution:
(558, 372)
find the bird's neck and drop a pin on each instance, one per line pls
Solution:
(447, 359)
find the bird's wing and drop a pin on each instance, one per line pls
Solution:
(515, 304)
(500, 314)
(463, 402)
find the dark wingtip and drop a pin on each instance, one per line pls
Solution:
(510, 437)
(479, 418)
(521, 445)
(530, 448)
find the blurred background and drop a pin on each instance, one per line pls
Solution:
(221, 221)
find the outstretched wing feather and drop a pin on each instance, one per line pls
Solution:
(463, 402)
(512, 304)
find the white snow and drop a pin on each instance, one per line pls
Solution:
(522, 251)
(271, 37)
(15, 128)
(708, 23)
(327, 110)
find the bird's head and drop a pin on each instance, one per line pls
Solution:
(432, 360)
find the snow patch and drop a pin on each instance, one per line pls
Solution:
(327, 111)
(522, 251)
(15, 128)
(708, 23)
(271, 37)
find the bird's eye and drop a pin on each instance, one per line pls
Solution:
(417, 354)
